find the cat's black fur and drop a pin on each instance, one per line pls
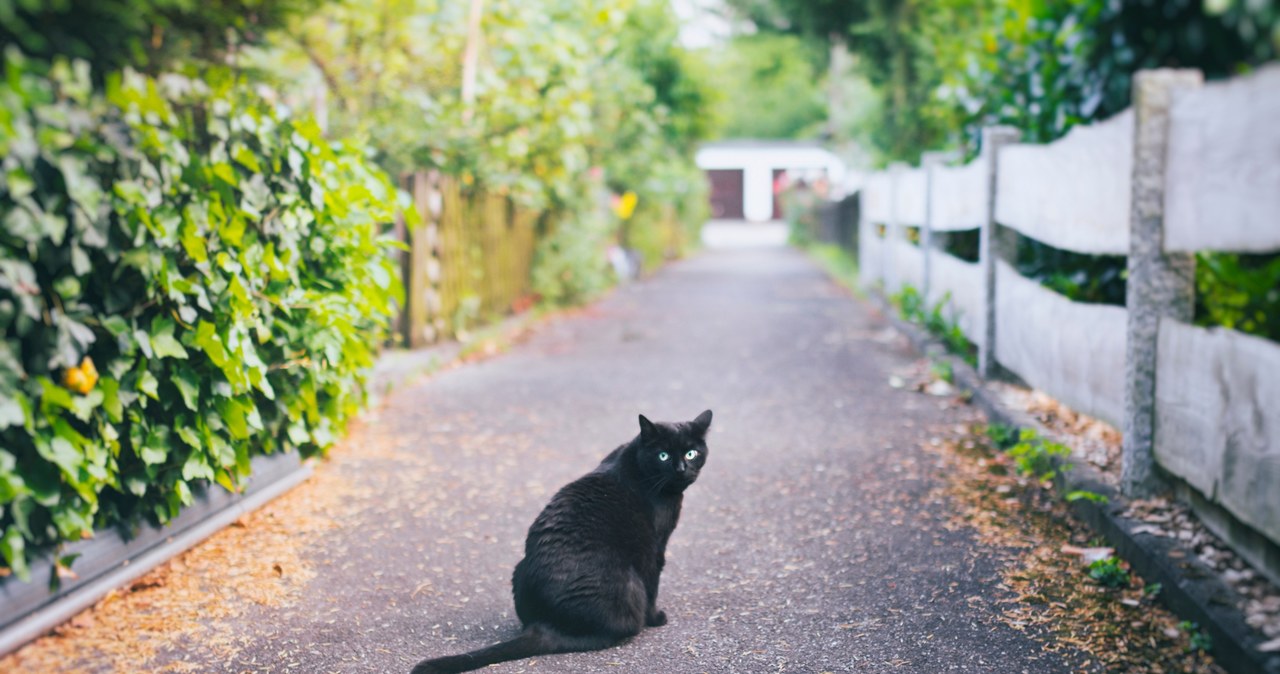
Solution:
(592, 559)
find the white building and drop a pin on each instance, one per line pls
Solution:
(746, 175)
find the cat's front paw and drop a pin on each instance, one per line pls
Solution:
(657, 619)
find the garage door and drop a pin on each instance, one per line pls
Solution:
(726, 193)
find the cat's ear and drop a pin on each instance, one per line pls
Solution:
(646, 427)
(701, 424)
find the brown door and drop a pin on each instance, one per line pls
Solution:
(726, 193)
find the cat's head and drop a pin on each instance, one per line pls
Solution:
(671, 454)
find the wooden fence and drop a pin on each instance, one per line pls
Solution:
(1191, 167)
(469, 257)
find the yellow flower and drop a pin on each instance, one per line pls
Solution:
(626, 206)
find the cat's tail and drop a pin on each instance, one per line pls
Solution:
(536, 639)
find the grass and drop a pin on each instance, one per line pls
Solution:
(838, 263)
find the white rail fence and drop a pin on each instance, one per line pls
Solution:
(1191, 167)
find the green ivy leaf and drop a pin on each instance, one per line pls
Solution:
(152, 454)
(147, 385)
(226, 173)
(163, 342)
(14, 549)
(234, 416)
(188, 384)
(111, 398)
(11, 411)
(207, 339)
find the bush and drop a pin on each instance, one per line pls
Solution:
(188, 277)
(569, 263)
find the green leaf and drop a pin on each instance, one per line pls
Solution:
(53, 395)
(111, 398)
(162, 340)
(234, 416)
(195, 468)
(14, 550)
(83, 406)
(153, 455)
(11, 484)
(246, 157)
(188, 383)
(116, 325)
(60, 452)
(226, 173)
(11, 412)
(207, 339)
(147, 385)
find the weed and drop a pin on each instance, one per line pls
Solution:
(1152, 590)
(942, 369)
(1109, 572)
(1092, 497)
(1003, 436)
(1033, 455)
(910, 303)
(1200, 640)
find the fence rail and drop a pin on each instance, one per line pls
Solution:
(1189, 168)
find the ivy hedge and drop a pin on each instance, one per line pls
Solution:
(189, 276)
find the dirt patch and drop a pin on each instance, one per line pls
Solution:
(257, 561)
(1055, 599)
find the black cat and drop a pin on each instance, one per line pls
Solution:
(589, 577)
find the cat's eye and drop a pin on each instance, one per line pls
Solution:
(663, 456)
(691, 455)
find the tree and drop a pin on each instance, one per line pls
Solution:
(903, 48)
(773, 87)
(147, 34)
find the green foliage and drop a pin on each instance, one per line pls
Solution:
(568, 268)
(773, 86)
(1241, 292)
(1037, 457)
(942, 369)
(1200, 640)
(1098, 279)
(838, 262)
(1003, 436)
(188, 277)
(149, 34)
(1045, 66)
(1081, 495)
(1048, 65)
(1109, 572)
(910, 303)
(905, 50)
(569, 93)
(913, 308)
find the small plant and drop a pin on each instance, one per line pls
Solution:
(1108, 572)
(1033, 455)
(1200, 640)
(910, 304)
(1152, 591)
(1082, 495)
(941, 369)
(1003, 436)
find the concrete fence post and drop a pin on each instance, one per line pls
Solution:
(1160, 285)
(991, 245)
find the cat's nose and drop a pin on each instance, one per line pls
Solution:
(680, 467)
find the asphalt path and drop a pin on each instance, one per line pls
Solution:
(816, 539)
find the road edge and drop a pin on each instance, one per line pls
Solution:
(1189, 588)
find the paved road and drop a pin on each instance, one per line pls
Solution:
(813, 542)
